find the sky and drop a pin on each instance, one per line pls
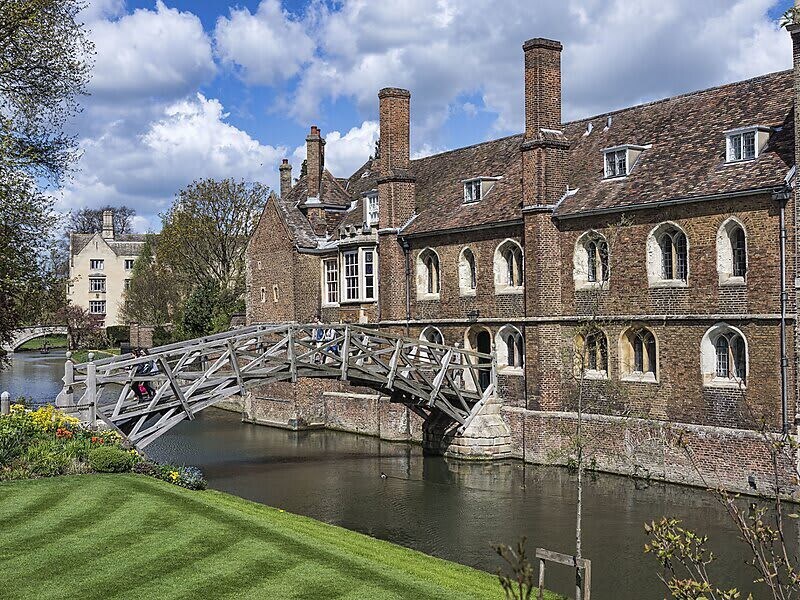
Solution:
(185, 89)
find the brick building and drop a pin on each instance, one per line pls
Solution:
(639, 255)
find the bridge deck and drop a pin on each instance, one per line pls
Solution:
(187, 377)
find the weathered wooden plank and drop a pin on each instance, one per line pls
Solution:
(561, 559)
(176, 388)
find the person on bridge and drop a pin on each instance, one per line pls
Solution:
(318, 335)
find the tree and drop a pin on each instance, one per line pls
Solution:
(205, 233)
(152, 297)
(90, 220)
(82, 327)
(45, 62)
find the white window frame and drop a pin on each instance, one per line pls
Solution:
(97, 264)
(131, 262)
(366, 265)
(97, 307)
(351, 274)
(358, 278)
(735, 143)
(100, 288)
(330, 279)
(630, 152)
(371, 208)
(472, 191)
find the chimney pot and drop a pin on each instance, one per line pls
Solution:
(108, 225)
(286, 177)
(315, 161)
(542, 85)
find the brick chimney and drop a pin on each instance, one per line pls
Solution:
(545, 152)
(108, 225)
(315, 161)
(395, 184)
(286, 177)
(396, 199)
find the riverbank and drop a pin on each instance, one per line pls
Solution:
(142, 538)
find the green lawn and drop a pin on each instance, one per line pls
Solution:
(55, 341)
(82, 356)
(129, 536)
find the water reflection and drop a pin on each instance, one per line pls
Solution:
(451, 509)
(33, 375)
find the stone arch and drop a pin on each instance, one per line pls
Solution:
(590, 260)
(639, 354)
(732, 251)
(510, 345)
(591, 355)
(479, 339)
(428, 274)
(509, 267)
(667, 239)
(467, 272)
(735, 366)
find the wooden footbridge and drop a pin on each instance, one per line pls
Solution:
(186, 377)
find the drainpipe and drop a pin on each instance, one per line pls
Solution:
(407, 253)
(782, 196)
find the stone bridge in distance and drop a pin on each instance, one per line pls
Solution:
(25, 334)
(452, 389)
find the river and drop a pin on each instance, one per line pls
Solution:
(446, 508)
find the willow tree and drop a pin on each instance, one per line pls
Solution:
(45, 62)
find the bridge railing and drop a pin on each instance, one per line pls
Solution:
(182, 378)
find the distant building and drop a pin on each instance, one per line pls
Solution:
(100, 269)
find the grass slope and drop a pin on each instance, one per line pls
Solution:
(128, 536)
(82, 356)
(55, 341)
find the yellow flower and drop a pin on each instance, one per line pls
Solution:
(174, 475)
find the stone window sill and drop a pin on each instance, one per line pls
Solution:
(725, 383)
(508, 290)
(515, 371)
(467, 292)
(583, 286)
(427, 296)
(595, 374)
(732, 281)
(640, 378)
(669, 283)
(351, 302)
(327, 305)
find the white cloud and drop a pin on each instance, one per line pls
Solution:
(616, 53)
(267, 47)
(163, 53)
(190, 140)
(345, 153)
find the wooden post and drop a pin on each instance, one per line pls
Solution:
(345, 352)
(493, 378)
(91, 389)
(66, 397)
(541, 579)
(290, 354)
(5, 403)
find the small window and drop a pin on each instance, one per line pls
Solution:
(97, 284)
(724, 356)
(432, 335)
(369, 274)
(351, 283)
(674, 259)
(732, 252)
(597, 257)
(508, 267)
(616, 163)
(275, 292)
(593, 354)
(745, 143)
(97, 264)
(472, 190)
(127, 284)
(372, 208)
(97, 307)
(510, 348)
(638, 355)
(129, 263)
(467, 273)
(428, 274)
(263, 294)
(330, 273)
(739, 250)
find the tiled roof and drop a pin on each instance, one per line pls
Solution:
(296, 222)
(687, 157)
(331, 191)
(440, 191)
(123, 244)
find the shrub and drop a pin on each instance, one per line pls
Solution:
(46, 459)
(110, 459)
(189, 477)
(77, 449)
(118, 334)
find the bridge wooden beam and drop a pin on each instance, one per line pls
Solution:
(176, 388)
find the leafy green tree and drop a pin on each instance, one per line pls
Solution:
(153, 297)
(198, 312)
(90, 220)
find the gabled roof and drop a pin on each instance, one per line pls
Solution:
(296, 222)
(123, 244)
(331, 191)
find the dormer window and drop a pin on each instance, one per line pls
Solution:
(472, 190)
(619, 161)
(371, 207)
(745, 143)
(477, 188)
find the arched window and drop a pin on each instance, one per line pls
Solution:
(593, 354)
(724, 356)
(432, 335)
(639, 354)
(508, 267)
(590, 261)
(428, 274)
(731, 252)
(510, 348)
(467, 273)
(667, 255)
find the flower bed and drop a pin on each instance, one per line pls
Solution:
(46, 442)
